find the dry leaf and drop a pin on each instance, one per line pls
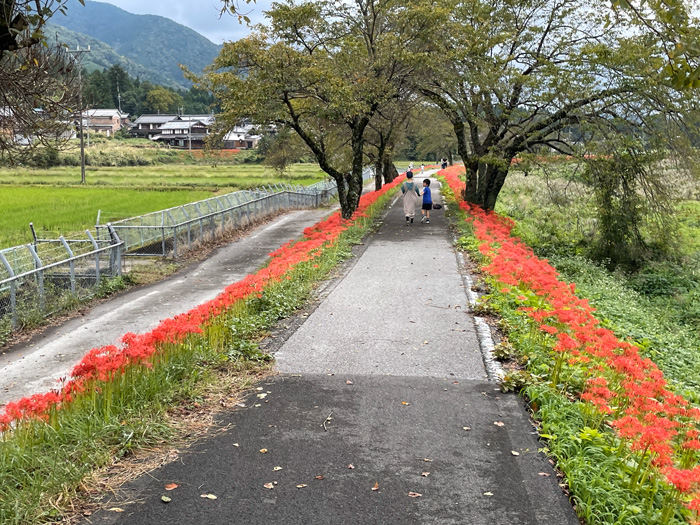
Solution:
(376, 486)
(269, 486)
(277, 468)
(515, 453)
(318, 477)
(467, 428)
(165, 499)
(351, 466)
(425, 342)
(427, 459)
(488, 493)
(301, 486)
(236, 445)
(414, 494)
(499, 423)
(116, 509)
(425, 474)
(405, 403)
(263, 451)
(262, 396)
(171, 486)
(274, 483)
(259, 388)
(544, 474)
(348, 382)
(208, 496)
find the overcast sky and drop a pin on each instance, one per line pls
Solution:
(200, 15)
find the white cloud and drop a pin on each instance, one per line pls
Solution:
(203, 16)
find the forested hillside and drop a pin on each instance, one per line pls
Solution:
(156, 44)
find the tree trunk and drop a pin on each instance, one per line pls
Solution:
(379, 167)
(390, 172)
(489, 178)
(450, 160)
(355, 180)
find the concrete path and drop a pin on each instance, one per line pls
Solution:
(381, 414)
(37, 365)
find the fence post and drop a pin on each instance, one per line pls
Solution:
(13, 291)
(97, 257)
(40, 278)
(71, 264)
(174, 230)
(115, 252)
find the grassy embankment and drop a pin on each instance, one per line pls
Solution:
(643, 471)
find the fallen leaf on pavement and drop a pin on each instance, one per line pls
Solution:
(171, 486)
(488, 493)
(427, 459)
(351, 466)
(425, 474)
(414, 494)
(116, 509)
(263, 451)
(269, 486)
(165, 499)
(262, 396)
(208, 496)
(236, 445)
(277, 468)
(515, 453)
(318, 477)
(544, 474)
(302, 485)
(348, 382)
(467, 428)
(259, 388)
(405, 403)
(376, 486)
(499, 423)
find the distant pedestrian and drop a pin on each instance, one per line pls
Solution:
(444, 163)
(410, 166)
(422, 168)
(411, 193)
(427, 202)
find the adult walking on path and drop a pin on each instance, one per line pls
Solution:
(382, 413)
(411, 194)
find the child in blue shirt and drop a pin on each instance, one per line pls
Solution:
(427, 202)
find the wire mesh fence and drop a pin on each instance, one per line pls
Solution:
(49, 276)
(173, 231)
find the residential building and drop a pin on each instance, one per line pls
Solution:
(107, 121)
(241, 137)
(148, 126)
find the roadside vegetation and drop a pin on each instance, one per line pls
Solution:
(601, 351)
(119, 400)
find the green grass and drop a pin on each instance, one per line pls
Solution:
(164, 176)
(64, 210)
(54, 200)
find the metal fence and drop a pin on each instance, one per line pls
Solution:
(51, 275)
(176, 230)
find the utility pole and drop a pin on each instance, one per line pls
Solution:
(79, 61)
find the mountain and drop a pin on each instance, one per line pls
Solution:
(153, 42)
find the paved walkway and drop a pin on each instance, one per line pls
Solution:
(382, 387)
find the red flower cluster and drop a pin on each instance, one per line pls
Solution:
(105, 363)
(629, 391)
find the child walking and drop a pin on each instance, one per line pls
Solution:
(427, 202)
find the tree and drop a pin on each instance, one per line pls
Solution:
(514, 76)
(322, 69)
(162, 100)
(38, 83)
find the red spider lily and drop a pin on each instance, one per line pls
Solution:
(105, 363)
(646, 412)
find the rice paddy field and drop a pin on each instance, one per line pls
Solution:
(57, 204)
